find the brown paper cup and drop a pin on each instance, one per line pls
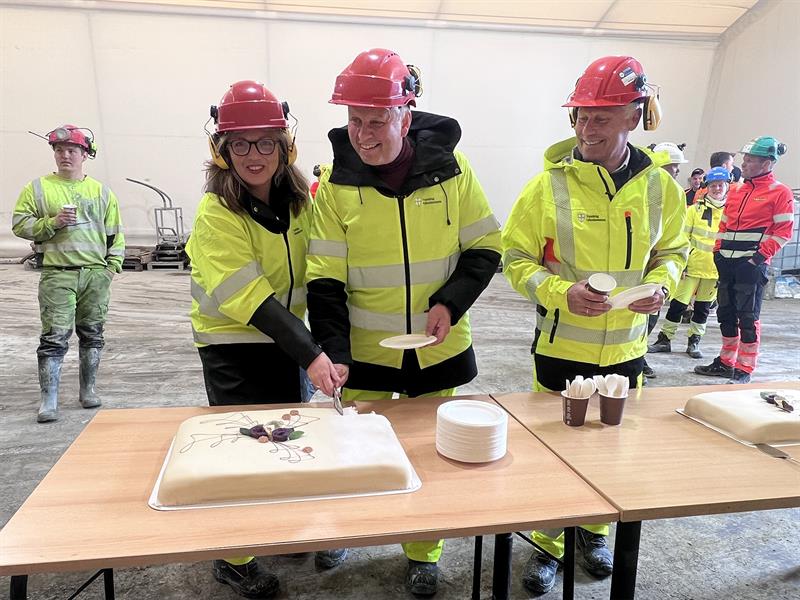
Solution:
(611, 410)
(574, 410)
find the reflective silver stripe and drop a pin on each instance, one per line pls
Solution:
(477, 229)
(205, 302)
(298, 297)
(112, 230)
(90, 226)
(783, 217)
(779, 239)
(429, 271)
(513, 254)
(38, 195)
(104, 192)
(598, 337)
(700, 245)
(709, 235)
(534, 281)
(654, 205)
(74, 247)
(741, 236)
(564, 233)
(736, 253)
(248, 273)
(248, 337)
(116, 252)
(327, 248)
(17, 218)
(375, 321)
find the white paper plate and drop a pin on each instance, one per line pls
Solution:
(623, 299)
(472, 413)
(408, 342)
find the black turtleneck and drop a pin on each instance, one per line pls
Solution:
(395, 173)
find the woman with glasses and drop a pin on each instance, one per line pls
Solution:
(248, 252)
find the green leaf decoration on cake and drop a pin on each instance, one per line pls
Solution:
(296, 434)
(275, 423)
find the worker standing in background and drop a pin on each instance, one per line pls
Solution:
(75, 219)
(248, 251)
(403, 242)
(676, 158)
(700, 278)
(695, 181)
(758, 220)
(601, 205)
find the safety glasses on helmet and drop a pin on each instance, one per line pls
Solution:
(241, 147)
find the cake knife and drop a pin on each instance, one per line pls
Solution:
(776, 452)
(337, 400)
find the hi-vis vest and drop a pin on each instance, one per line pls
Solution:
(84, 244)
(394, 253)
(702, 224)
(236, 265)
(563, 228)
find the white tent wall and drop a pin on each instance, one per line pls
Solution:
(143, 81)
(754, 88)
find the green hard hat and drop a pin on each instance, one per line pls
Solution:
(765, 146)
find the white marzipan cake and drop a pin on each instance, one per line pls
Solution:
(747, 416)
(305, 452)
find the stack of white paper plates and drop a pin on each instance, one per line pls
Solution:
(471, 431)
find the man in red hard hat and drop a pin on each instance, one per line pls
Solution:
(75, 220)
(601, 205)
(403, 243)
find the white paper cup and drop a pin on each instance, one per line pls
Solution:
(601, 283)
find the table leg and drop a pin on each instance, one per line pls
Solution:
(18, 588)
(108, 583)
(476, 568)
(501, 578)
(569, 563)
(626, 558)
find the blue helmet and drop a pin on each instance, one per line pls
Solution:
(718, 174)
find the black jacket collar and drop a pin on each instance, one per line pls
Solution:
(434, 138)
(272, 217)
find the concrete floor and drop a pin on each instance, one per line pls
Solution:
(150, 361)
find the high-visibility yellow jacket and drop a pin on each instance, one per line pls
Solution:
(569, 222)
(702, 225)
(236, 265)
(96, 239)
(394, 253)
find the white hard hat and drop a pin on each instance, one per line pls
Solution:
(675, 153)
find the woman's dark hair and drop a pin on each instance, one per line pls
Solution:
(288, 184)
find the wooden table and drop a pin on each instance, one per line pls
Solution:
(659, 464)
(96, 498)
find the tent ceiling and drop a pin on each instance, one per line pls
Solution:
(664, 18)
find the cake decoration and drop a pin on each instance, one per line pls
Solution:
(276, 432)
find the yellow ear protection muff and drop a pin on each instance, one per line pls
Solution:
(215, 141)
(651, 107)
(291, 134)
(413, 82)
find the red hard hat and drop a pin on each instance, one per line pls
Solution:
(249, 105)
(610, 81)
(68, 134)
(376, 78)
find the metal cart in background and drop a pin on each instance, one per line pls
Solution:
(171, 238)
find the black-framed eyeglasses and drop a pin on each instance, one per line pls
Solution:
(265, 146)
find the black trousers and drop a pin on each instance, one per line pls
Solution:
(250, 374)
(740, 293)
